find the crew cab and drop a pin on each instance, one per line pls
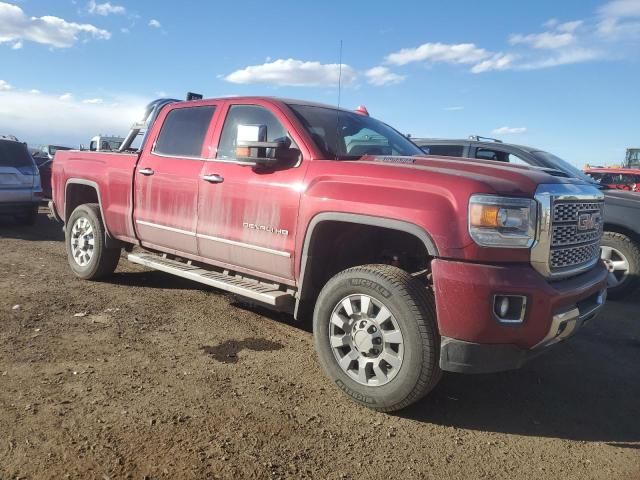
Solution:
(409, 265)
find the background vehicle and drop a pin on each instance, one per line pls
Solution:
(43, 157)
(104, 143)
(616, 178)
(632, 159)
(20, 190)
(410, 265)
(621, 239)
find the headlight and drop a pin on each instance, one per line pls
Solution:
(502, 221)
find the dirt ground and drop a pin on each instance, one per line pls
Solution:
(148, 376)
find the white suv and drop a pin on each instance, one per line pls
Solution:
(20, 187)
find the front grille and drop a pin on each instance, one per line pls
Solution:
(576, 230)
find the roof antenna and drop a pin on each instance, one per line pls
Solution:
(339, 92)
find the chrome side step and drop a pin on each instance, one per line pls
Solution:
(266, 293)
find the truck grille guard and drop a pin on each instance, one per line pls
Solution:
(569, 229)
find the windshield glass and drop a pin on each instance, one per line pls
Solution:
(14, 154)
(349, 136)
(633, 158)
(552, 161)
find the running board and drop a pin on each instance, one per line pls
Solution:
(265, 293)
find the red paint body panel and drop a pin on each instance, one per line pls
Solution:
(208, 222)
(471, 318)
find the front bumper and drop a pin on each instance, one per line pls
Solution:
(474, 341)
(466, 357)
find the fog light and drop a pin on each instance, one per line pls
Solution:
(509, 308)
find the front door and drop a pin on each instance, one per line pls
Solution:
(248, 215)
(167, 181)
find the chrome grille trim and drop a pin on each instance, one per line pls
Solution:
(561, 250)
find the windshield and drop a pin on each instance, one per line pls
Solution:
(349, 136)
(633, 158)
(551, 161)
(14, 154)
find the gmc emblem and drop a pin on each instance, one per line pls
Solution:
(589, 221)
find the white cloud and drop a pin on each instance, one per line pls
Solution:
(567, 57)
(34, 91)
(105, 9)
(499, 61)
(4, 86)
(439, 52)
(16, 26)
(17, 46)
(620, 19)
(544, 40)
(93, 101)
(295, 73)
(509, 130)
(569, 27)
(621, 8)
(53, 120)
(66, 97)
(379, 76)
(455, 108)
(154, 23)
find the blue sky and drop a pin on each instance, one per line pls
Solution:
(562, 76)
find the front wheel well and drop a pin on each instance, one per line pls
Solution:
(337, 245)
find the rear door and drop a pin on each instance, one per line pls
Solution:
(247, 215)
(16, 172)
(167, 179)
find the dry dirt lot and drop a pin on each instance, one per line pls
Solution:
(149, 376)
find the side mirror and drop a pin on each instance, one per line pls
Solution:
(252, 147)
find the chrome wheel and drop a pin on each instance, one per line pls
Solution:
(366, 340)
(616, 263)
(82, 241)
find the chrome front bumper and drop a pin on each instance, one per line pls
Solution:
(566, 323)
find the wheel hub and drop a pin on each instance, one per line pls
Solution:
(366, 340)
(82, 241)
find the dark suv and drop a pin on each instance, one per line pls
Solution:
(20, 188)
(621, 241)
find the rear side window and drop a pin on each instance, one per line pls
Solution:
(443, 150)
(183, 131)
(14, 154)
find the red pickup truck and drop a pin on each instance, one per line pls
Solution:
(411, 265)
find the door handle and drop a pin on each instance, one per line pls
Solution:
(213, 178)
(146, 171)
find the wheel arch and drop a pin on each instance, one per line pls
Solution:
(305, 290)
(79, 191)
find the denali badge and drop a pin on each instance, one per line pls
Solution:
(264, 228)
(589, 221)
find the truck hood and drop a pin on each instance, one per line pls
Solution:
(499, 177)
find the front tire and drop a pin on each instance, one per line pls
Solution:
(621, 256)
(87, 254)
(375, 332)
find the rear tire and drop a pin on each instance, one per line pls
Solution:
(621, 255)
(87, 254)
(384, 360)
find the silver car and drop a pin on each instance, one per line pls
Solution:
(20, 187)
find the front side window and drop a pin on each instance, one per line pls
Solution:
(344, 135)
(184, 131)
(249, 115)
(490, 154)
(443, 150)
